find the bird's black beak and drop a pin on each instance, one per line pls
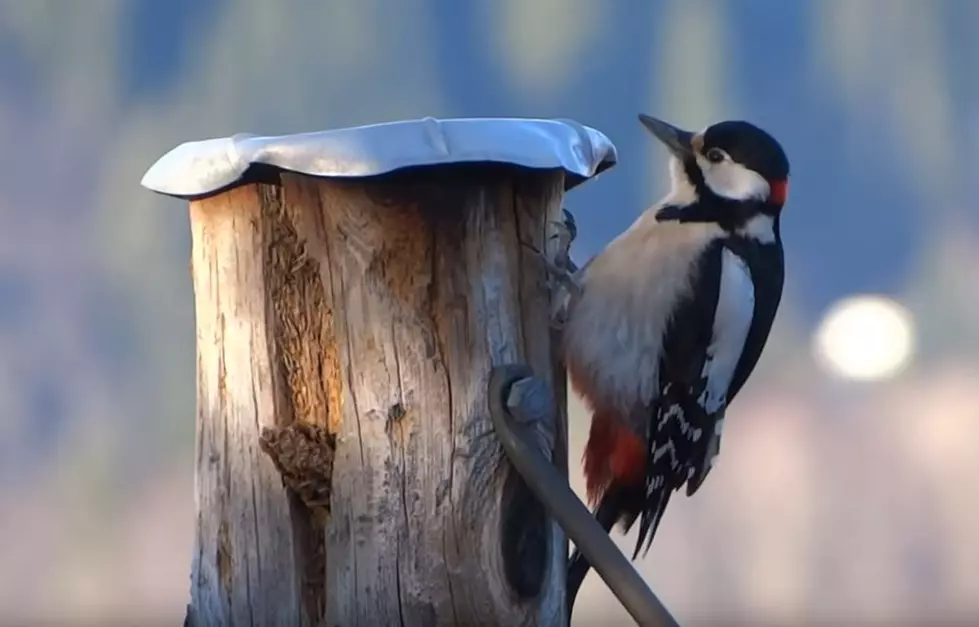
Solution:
(676, 139)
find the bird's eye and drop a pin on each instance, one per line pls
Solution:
(715, 155)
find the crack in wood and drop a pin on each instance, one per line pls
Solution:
(362, 320)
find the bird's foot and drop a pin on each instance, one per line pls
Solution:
(561, 234)
(561, 271)
(562, 268)
(565, 289)
(560, 275)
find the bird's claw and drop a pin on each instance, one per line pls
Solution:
(564, 231)
(566, 292)
(561, 271)
(562, 277)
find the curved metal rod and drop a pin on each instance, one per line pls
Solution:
(556, 495)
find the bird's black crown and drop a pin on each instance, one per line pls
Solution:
(750, 146)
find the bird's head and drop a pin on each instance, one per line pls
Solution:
(733, 160)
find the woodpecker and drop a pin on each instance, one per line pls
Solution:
(666, 324)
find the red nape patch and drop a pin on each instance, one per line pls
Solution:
(613, 454)
(779, 192)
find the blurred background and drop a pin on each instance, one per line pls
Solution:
(848, 489)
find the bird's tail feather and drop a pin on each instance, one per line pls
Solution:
(618, 505)
(650, 518)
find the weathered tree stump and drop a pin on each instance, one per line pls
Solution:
(350, 306)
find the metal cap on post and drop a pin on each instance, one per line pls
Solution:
(354, 288)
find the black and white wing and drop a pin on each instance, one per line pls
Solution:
(702, 349)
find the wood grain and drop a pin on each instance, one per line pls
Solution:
(347, 328)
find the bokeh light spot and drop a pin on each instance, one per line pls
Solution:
(865, 338)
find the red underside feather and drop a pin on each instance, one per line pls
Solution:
(613, 454)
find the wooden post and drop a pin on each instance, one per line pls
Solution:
(347, 471)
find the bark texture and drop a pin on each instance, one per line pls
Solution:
(347, 471)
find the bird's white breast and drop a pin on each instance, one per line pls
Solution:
(615, 331)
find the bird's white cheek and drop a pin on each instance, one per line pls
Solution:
(734, 181)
